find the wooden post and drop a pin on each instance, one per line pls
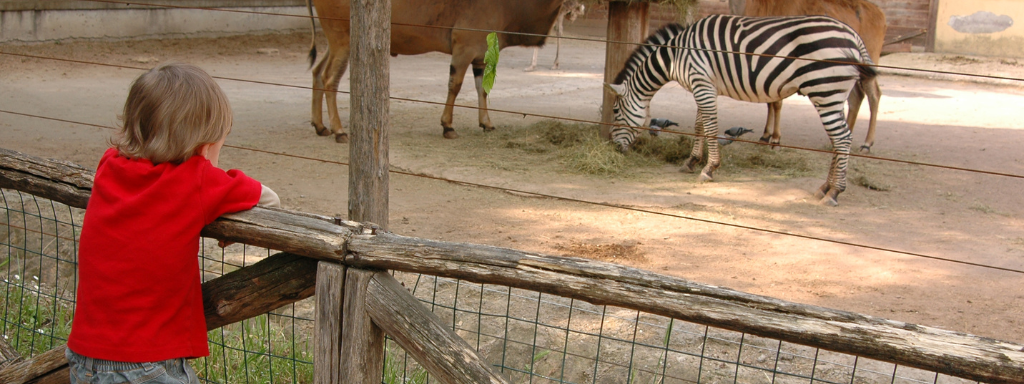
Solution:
(363, 346)
(933, 19)
(369, 106)
(627, 23)
(330, 295)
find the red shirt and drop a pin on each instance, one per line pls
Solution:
(139, 294)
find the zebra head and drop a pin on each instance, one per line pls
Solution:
(627, 115)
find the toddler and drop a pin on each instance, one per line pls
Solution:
(139, 310)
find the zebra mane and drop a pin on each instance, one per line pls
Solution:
(653, 42)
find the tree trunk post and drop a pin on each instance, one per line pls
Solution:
(627, 25)
(369, 107)
(330, 296)
(363, 346)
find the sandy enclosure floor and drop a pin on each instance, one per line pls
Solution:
(955, 215)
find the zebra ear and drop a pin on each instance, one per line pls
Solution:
(618, 89)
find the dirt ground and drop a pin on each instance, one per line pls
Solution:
(956, 215)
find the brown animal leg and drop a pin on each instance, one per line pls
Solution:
(317, 119)
(457, 74)
(334, 71)
(874, 94)
(478, 78)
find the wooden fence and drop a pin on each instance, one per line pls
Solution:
(322, 255)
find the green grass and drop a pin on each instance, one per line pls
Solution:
(33, 320)
(257, 351)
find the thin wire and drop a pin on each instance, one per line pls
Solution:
(876, 65)
(607, 205)
(525, 114)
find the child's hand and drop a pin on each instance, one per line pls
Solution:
(223, 243)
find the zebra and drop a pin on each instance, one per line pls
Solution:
(755, 59)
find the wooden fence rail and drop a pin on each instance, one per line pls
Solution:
(354, 245)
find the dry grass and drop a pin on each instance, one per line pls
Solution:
(577, 148)
(618, 253)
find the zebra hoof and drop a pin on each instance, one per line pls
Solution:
(820, 193)
(829, 201)
(704, 178)
(689, 166)
(341, 138)
(449, 133)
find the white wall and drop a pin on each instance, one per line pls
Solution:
(48, 25)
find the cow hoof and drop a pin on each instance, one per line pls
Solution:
(321, 130)
(487, 128)
(449, 133)
(341, 138)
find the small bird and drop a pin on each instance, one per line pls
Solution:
(730, 134)
(658, 124)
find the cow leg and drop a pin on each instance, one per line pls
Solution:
(478, 79)
(317, 116)
(457, 71)
(334, 71)
(874, 94)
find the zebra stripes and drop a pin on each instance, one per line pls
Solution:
(752, 59)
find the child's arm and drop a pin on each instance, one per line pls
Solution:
(268, 198)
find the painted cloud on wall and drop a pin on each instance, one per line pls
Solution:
(980, 22)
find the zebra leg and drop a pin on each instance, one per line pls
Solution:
(707, 104)
(835, 126)
(690, 165)
(776, 115)
(767, 135)
(706, 128)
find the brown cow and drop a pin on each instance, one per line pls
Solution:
(863, 16)
(427, 26)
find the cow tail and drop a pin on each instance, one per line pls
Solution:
(312, 44)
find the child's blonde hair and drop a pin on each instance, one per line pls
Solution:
(171, 111)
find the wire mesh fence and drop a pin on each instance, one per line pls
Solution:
(529, 336)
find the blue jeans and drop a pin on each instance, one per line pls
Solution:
(86, 370)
